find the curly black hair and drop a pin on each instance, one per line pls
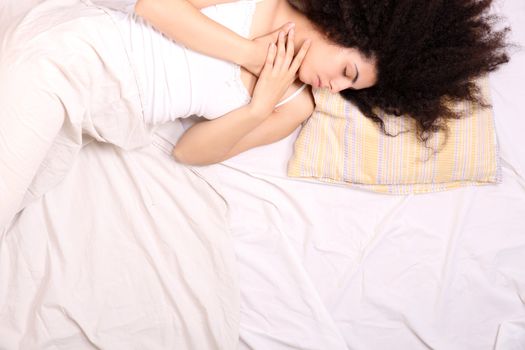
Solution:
(429, 53)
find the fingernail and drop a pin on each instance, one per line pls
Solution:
(291, 24)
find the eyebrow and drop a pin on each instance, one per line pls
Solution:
(356, 75)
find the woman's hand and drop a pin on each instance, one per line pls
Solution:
(257, 49)
(278, 73)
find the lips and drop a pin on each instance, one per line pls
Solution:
(318, 82)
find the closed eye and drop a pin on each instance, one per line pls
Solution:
(356, 74)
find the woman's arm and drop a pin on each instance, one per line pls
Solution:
(182, 21)
(213, 141)
(208, 142)
(275, 127)
(205, 3)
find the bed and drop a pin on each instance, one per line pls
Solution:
(135, 251)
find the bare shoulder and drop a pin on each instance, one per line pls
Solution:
(281, 123)
(300, 107)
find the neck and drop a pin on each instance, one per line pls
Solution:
(303, 27)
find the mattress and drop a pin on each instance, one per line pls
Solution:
(135, 251)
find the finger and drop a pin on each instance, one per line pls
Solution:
(274, 35)
(270, 57)
(285, 28)
(281, 51)
(289, 50)
(288, 26)
(298, 59)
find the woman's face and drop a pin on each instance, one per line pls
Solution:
(334, 67)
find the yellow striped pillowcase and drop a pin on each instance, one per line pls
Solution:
(337, 144)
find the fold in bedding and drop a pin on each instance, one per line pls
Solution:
(130, 251)
(64, 81)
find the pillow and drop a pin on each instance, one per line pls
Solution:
(338, 144)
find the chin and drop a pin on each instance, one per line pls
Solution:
(302, 77)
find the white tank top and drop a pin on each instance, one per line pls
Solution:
(177, 82)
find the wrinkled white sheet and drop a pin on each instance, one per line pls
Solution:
(335, 268)
(65, 80)
(130, 251)
(97, 262)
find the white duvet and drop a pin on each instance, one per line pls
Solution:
(120, 257)
(134, 251)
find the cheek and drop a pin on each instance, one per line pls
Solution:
(324, 65)
(310, 65)
(305, 71)
(313, 65)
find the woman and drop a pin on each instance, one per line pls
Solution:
(68, 73)
(420, 55)
(178, 19)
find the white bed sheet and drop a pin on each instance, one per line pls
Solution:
(130, 251)
(135, 251)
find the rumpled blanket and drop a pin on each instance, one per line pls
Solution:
(65, 80)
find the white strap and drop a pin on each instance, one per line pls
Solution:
(291, 96)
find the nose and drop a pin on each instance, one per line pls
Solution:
(339, 84)
(337, 87)
(334, 86)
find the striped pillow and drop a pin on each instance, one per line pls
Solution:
(340, 145)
